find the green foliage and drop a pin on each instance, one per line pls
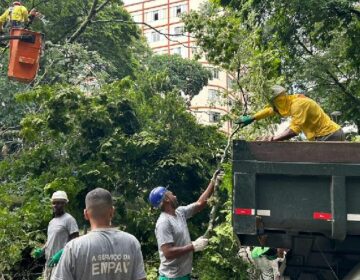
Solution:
(122, 138)
(74, 64)
(188, 76)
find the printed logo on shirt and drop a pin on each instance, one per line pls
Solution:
(110, 264)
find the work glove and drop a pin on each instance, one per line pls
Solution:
(38, 252)
(55, 258)
(244, 120)
(200, 244)
(218, 175)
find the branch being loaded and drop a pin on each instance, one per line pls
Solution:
(215, 207)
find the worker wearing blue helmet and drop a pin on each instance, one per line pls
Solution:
(172, 234)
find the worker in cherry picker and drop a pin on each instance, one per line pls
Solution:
(17, 16)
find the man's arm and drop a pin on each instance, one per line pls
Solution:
(202, 201)
(268, 111)
(3, 18)
(172, 252)
(262, 114)
(287, 134)
(25, 14)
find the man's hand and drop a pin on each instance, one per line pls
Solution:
(200, 244)
(216, 173)
(55, 258)
(38, 252)
(244, 120)
(218, 176)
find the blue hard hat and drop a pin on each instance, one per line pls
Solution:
(156, 196)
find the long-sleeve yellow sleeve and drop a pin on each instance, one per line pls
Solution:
(264, 113)
(3, 17)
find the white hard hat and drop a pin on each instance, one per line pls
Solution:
(59, 195)
(276, 90)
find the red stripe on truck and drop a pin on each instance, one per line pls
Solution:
(322, 216)
(244, 211)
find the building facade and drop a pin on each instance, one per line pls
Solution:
(170, 38)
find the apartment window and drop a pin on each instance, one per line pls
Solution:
(194, 51)
(179, 30)
(156, 15)
(214, 117)
(214, 73)
(178, 10)
(137, 18)
(155, 37)
(177, 51)
(230, 82)
(213, 95)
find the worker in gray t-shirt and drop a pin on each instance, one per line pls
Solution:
(105, 253)
(62, 228)
(172, 234)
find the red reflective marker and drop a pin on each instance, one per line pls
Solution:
(322, 216)
(244, 211)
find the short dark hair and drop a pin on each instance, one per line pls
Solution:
(98, 200)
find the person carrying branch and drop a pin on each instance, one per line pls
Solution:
(172, 233)
(306, 116)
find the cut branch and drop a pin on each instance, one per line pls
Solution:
(215, 207)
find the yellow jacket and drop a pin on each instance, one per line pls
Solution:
(18, 13)
(306, 115)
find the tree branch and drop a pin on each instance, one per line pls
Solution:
(332, 76)
(215, 207)
(92, 13)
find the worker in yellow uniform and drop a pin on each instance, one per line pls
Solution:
(306, 116)
(17, 15)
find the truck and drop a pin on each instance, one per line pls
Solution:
(304, 197)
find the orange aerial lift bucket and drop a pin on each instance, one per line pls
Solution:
(25, 50)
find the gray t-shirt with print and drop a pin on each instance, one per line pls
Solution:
(102, 254)
(59, 230)
(173, 229)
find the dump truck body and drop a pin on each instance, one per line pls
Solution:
(303, 196)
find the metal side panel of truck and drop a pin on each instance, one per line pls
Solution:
(303, 196)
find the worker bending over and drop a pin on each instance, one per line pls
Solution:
(306, 116)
